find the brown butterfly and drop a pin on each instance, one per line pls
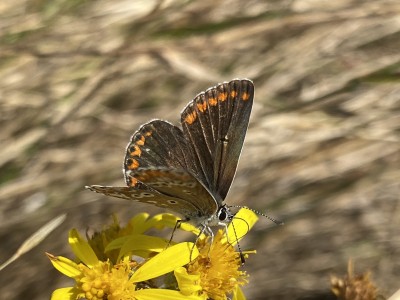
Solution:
(189, 170)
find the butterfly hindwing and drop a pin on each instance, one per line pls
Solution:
(149, 196)
(158, 144)
(178, 184)
(159, 158)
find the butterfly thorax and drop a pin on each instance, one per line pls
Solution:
(221, 218)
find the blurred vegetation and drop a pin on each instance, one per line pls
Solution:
(322, 152)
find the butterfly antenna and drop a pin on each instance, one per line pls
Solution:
(242, 258)
(277, 222)
(247, 224)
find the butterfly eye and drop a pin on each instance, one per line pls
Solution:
(222, 214)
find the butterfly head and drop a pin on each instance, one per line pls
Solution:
(222, 217)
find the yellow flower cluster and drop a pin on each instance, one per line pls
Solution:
(123, 263)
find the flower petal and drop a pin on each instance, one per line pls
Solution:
(64, 265)
(136, 242)
(139, 223)
(238, 294)
(151, 294)
(82, 249)
(188, 283)
(68, 293)
(241, 224)
(161, 221)
(166, 261)
(143, 242)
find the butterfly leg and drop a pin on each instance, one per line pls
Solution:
(177, 225)
(204, 229)
(226, 230)
(210, 233)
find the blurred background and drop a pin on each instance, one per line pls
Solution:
(322, 152)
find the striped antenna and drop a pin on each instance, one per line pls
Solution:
(277, 222)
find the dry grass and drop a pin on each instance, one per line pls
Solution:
(322, 152)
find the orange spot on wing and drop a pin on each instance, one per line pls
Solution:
(133, 181)
(136, 152)
(202, 106)
(148, 133)
(191, 117)
(212, 101)
(222, 96)
(245, 96)
(132, 164)
(140, 141)
(233, 94)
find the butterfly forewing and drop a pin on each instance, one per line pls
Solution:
(215, 125)
(241, 94)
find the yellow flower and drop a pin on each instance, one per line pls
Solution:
(123, 263)
(128, 279)
(218, 267)
(215, 273)
(107, 243)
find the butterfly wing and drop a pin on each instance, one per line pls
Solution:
(192, 199)
(189, 171)
(215, 125)
(144, 194)
(159, 145)
(159, 169)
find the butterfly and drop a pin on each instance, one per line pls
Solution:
(189, 169)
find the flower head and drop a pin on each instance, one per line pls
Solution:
(124, 279)
(216, 271)
(218, 266)
(125, 264)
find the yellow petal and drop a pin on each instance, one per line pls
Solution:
(64, 265)
(238, 294)
(188, 283)
(68, 293)
(190, 228)
(136, 242)
(82, 249)
(138, 223)
(161, 221)
(151, 294)
(166, 261)
(117, 243)
(143, 242)
(241, 224)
